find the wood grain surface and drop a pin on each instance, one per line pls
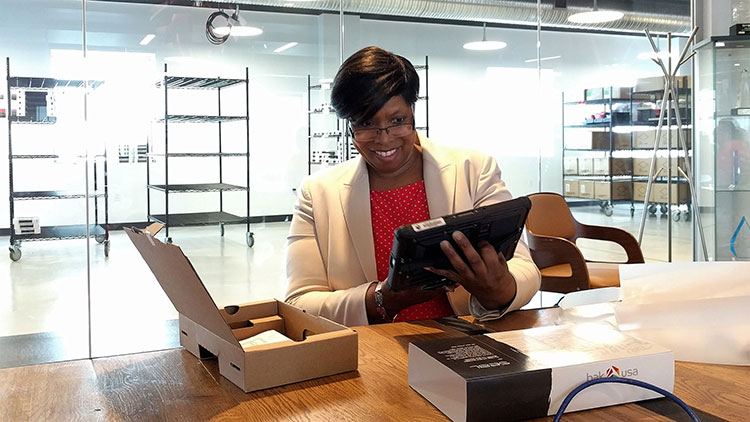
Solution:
(173, 385)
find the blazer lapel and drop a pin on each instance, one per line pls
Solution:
(355, 204)
(439, 181)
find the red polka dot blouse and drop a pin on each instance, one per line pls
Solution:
(391, 209)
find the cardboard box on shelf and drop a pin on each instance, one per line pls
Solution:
(600, 140)
(593, 94)
(570, 165)
(586, 189)
(585, 165)
(680, 192)
(570, 187)
(526, 374)
(619, 190)
(609, 166)
(616, 92)
(319, 347)
(645, 138)
(641, 166)
(656, 83)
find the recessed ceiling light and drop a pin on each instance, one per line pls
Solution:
(542, 59)
(485, 45)
(737, 64)
(147, 39)
(286, 46)
(596, 16)
(238, 31)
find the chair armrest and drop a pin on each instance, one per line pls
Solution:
(613, 234)
(547, 251)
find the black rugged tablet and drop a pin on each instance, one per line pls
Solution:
(417, 245)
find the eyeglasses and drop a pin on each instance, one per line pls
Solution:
(366, 135)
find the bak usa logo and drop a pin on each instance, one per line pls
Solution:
(613, 371)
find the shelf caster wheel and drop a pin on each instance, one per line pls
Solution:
(608, 210)
(686, 216)
(169, 240)
(221, 229)
(15, 253)
(663, 208)
(603, 205)
(250, 239)
(100, 238)
(676, 216)
(106, 248)
(632, 211)
(652, 209)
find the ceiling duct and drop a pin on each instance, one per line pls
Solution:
(489, 11)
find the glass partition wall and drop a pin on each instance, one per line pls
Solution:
(148, 120)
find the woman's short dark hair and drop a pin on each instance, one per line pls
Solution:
(368, 79)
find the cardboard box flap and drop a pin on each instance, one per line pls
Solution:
(181, 283)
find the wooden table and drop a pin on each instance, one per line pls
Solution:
(173, 385)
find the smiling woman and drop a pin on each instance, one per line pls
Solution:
(342, 229)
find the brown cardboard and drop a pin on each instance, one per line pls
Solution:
(620, 190)
(645, 138)
(600, 140)
(319, 347)
(570, 187)
(585, 165)
(658, 195)
(586, 189)
(656, 83)
(641, 166)
(609, 166)
(570, 165)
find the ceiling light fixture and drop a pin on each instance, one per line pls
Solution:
(485, 45)
(596, 16)
(231, 26)
(286, 46)
(147, 39)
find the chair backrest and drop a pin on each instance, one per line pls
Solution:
(550, 216)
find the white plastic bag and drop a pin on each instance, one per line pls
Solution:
(700, 310)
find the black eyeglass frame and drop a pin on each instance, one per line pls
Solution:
(387, 129)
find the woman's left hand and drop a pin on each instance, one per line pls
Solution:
(484, 274)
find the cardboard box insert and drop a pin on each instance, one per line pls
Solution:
(318, 347)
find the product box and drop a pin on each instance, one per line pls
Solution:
(641, 166)
(526, 374)
(317, 347)
(570, 188)
(570, 165)
(645, 138)
(585, 189)
(620, 190)
(585, 165)
(680, 192)
(608, 166)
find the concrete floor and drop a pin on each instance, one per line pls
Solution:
(46, 291)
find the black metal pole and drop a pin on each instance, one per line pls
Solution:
(166, 157)
(221, 193)
(427, 94)
(247, 141)
(10, 154)
(309, 129)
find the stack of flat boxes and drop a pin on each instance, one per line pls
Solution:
(604, 166)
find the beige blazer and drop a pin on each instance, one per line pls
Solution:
(331, 253)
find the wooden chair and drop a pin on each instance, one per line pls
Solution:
(553, 233)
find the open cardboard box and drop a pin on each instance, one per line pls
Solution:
(319, 348)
